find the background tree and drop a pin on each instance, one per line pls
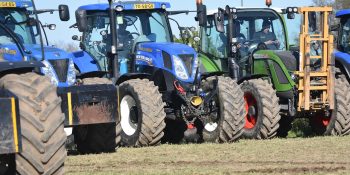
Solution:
(68, 47)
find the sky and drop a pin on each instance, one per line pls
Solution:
(64, 34)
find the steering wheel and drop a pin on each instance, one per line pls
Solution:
(262, 46)
(134, 33)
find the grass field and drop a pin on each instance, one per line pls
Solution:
(319, 155)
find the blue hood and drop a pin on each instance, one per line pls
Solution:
(170, 48)
(162, 55)
(51, 53)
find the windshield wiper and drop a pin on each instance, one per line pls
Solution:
(150, 14)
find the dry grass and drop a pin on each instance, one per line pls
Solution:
(322, 155)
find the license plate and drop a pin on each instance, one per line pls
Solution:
(8, 4)
(144, 6)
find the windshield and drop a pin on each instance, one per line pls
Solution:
(17, 21)
(133, 27)
(345, 36)
(252, 28)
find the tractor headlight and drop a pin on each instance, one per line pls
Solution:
(71, 76)
(50, 72)
(179, 67)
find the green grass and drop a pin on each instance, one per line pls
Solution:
(319, 155)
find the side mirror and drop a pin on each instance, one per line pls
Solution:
(219, 21)
(313, 21)
(64, 12)
(202, 15)
(81, 18)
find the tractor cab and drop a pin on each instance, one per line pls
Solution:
(143, 37)
(26, 29)
(254, 29)
(344, 31)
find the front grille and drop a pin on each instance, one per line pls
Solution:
(61, 68)
(188, 60)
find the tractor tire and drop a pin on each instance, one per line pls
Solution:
(338, 124)
(229, 119)
(145, 127)
(42, 124)
(261, 103)
(96, 138)
(285, 126)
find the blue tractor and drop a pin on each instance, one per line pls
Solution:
(32, 138)
(163, 96)
(89, 103)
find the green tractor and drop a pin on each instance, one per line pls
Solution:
(280, 82)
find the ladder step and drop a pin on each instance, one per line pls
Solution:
(317, 83)
(313, 74)
(316, 88)
(315, 57)
(310, 40)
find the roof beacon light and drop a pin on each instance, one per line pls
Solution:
(163, 6)
(268, 3)
(119, 8)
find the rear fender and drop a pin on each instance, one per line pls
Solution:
(342, 61)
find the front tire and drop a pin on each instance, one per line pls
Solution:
(142, 113)
(42, 124)
(227, 123)
(262, 119)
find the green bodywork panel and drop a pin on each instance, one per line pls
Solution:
(210, 65)
(270, 58)
(261, 59)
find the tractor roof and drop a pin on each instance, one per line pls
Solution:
(127, 5)
(15, 3)
(278, 10)
(342, 13)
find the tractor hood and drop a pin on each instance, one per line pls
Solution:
(51, 53)
(11, 52)
(58, 64)
(179, 59)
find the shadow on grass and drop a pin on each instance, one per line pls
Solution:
(301, 128)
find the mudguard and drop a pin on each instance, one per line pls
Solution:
(84, 62)
(9, 66)
(342, 60)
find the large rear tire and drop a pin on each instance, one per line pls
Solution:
(338, 124)
(142, 113)
(262, 119)
(227, 123)
(96, 138)
(42, 124)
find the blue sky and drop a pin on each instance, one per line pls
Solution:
(64, 34)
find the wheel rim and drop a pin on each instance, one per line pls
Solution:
(210, 127)
(321, 120)
(251, 109)
(129, 115)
